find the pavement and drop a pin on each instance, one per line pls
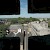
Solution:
(21, 35)
(29, 32)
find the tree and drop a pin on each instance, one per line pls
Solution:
(31, 18)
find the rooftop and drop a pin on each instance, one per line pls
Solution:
(14, 26)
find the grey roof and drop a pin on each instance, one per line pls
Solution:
(15, 26)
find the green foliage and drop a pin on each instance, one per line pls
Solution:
(48, 24)
(3, 28)
(18, 20)
(22, 20)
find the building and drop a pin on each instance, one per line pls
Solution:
(44, 24)
(39, 29)
(14, 27)
(2, 21)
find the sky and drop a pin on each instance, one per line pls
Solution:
(24, 12)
